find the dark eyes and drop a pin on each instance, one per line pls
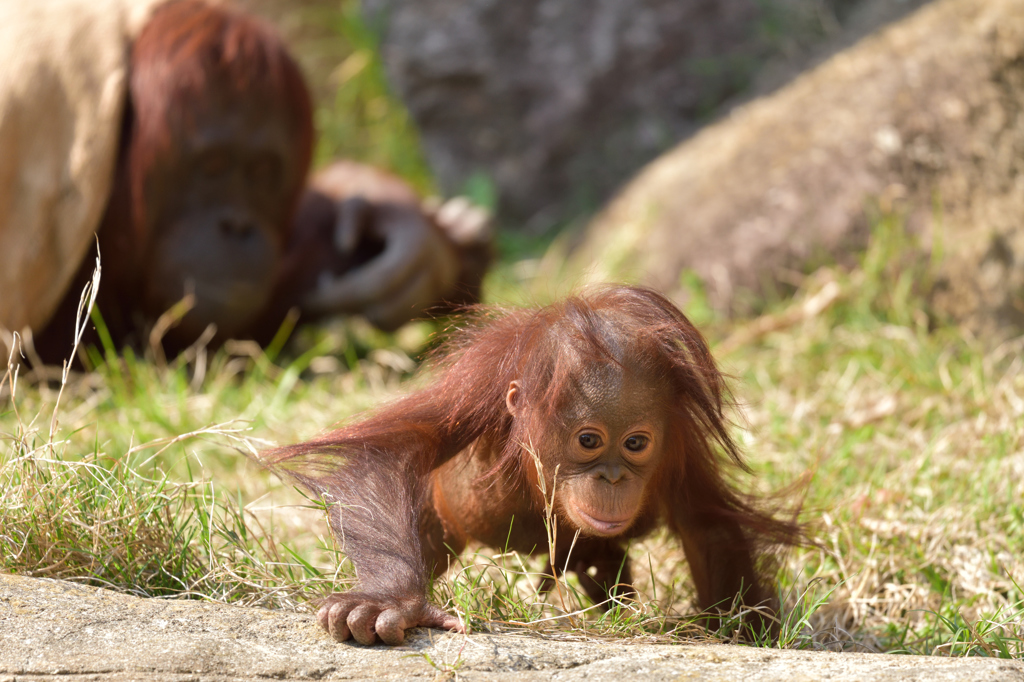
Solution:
(264, 170)
(636, 443)
(591, 441)
(214, 162)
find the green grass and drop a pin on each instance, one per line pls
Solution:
(904, 439)
(915, 442)
(903, 434)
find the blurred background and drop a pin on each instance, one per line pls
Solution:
(542, 109)
(831, 189)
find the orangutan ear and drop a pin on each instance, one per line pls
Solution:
(512, 399)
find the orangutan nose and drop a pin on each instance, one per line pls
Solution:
(613, 473)
(236, 227)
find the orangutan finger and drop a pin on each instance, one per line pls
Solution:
(391, 625)
(361, 621)
(336, 617)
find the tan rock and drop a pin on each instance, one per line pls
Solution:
(923, 119)
(54, 630)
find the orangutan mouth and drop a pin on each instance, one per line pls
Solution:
(604, 526)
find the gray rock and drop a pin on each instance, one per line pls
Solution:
(557, 102)
(923, 121)
(52, 630)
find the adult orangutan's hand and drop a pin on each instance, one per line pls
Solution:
(416, 267)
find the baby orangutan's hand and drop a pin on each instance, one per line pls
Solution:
(365, 616)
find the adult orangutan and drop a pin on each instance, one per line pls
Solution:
(617, 398)
(180, 132)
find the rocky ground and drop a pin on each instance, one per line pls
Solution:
(58, 630)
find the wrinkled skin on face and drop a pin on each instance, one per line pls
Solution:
(218, 202)
(606, 446)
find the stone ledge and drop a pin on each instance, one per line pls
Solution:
(52, 629)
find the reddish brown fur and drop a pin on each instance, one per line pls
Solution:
(190, 49)
(209, 199)
(190, 58)
(395, 524)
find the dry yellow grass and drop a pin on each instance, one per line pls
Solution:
(909, 441)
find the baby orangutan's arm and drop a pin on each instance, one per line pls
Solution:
(375, 491)
(378, 525)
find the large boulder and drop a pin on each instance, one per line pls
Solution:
(558, 102)
(924, 120)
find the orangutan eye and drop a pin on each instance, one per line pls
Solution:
(637, 443)
(590, 441)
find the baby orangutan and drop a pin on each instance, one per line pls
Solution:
(613, 391)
